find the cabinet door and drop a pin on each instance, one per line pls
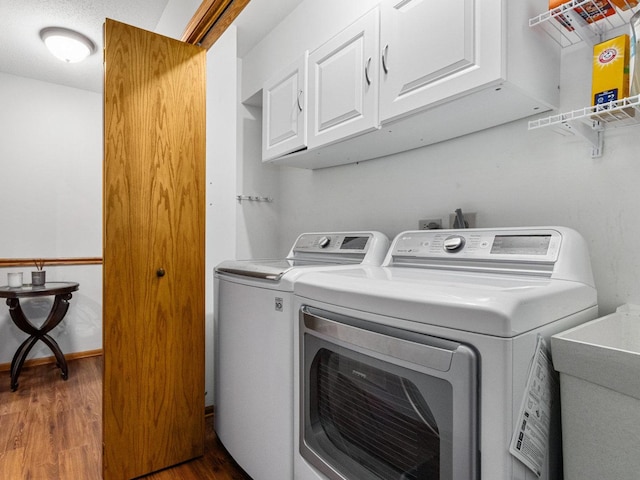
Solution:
(432, 51)
(153, 270)
(343, 83)
(284, 116)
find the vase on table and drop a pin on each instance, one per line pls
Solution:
(38, 278)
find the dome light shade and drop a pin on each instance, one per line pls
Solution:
(67, 45)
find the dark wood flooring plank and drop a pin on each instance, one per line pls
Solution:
(51, 429)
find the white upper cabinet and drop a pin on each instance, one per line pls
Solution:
(412, 73)
(432, 50)
(343, 83)
(284, 103)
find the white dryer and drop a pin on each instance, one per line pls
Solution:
(253, 325)
(417, 369)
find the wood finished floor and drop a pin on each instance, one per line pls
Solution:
(51, 429)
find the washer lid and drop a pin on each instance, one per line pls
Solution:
(315, 250)
(491, 304)
(267, 269)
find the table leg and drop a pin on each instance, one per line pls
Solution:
(19, 358)
(61, 361)
(56, 314)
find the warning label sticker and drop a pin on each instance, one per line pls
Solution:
(530, 439)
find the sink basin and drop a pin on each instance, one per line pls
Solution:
(605, 351)
(599, 365)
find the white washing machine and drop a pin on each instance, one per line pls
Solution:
(253, 323)
(417, 369)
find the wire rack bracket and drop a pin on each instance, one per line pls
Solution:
(590, 122)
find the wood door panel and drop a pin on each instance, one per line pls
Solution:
(154, 171)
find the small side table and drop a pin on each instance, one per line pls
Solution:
(62, 292)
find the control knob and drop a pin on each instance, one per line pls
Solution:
(453, 243)
(324, 242)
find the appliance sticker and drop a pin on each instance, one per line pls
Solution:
(530, 439)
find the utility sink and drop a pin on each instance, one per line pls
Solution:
(605, 351)
(599, 365)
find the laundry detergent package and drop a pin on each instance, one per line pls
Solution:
(610, 70)
(590, 11)
(624, 4)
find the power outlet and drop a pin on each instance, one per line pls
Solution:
(469, 218)
(430, 224)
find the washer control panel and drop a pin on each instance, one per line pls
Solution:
(539, 245)
(324, 242)
(333, 243)
(453, 243)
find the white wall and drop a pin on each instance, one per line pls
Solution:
(258, 223)
(51, 192)
(221, 174)
(508, 175)
(51, 161)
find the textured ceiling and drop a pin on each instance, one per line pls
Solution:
(22, 52)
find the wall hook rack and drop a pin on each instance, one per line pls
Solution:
(253, 198)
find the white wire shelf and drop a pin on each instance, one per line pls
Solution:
(590, 122)
(583, 21)
(625, 111)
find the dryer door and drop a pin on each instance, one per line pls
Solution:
(381, 403)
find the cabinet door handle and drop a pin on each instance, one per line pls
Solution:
(160, 272)
(384, 59)
(298, 100)
(366, 71)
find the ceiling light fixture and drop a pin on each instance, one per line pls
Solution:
(67, 45)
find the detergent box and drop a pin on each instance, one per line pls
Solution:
(610, 70)
(590, 11)
(624, 4)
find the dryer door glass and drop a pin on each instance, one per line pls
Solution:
(377, 418)
(379, 403)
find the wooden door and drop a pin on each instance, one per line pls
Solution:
(153, 281)
(343, 84)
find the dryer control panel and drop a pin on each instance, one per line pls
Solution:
(537, 246)
(553, 252)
